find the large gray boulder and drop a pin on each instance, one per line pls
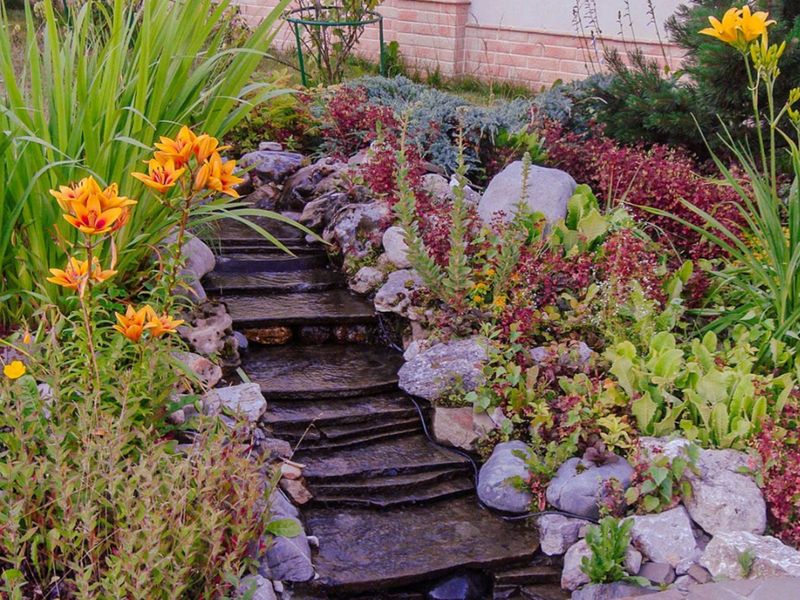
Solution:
(548, 191)
(769, 557)
(495, 479)
(664, 537)
(245, 400)
(572, 576)
(577, 484)
(358, 228)
(288, 559)
(268, 166)
(397, 293)
(455, 366)
(723, 498)
(396, 248)
(255, 587)
(557, 533)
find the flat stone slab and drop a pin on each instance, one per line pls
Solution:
(326, 371)
(386, 497)
(382, 459)
(308, 280)
(358, 486)
(770, 588)
(341, 411)
(332, 307)
(231, 231)
(269, 262)
(367, 550)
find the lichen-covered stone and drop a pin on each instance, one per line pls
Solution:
(445, 368)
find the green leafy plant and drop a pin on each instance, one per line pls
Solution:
(608, 543)
(662, 481)
(712, 395)
(70, 113)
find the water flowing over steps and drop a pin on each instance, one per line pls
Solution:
(393, 512)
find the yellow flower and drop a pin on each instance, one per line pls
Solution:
(217, 176)
(753, 25)
(161, 325)
(179, 150)
(739, 26)
(133, 322)
(500, 301)
(162, 175)
(14, 370)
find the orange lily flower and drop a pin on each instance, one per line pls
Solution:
(205, 146)
(90, 218)
(77, 271)
(161, 175)
(110, 198)
(161, 325)
(133, 322)
(218, 176)
(66, 195)
(178, 150)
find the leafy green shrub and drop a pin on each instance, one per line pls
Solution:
(74, 113)
(712, 395)
(608, 542)
(661, 482)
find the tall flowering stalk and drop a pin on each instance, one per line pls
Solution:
(193, 164)
(764, 274)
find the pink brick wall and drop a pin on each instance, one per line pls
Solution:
(438, 34)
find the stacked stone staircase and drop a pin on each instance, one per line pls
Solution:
(394, 513)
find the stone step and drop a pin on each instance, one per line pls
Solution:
(316, 435)
(543, 591)
(325, 446)
(269, 262)
(361, 486)
(543, 569)
(387, 497)
(412, 454)
(325, 371)
(310, 280)
(292, 413)
(367, 550)
(331, 307)
(230, 232)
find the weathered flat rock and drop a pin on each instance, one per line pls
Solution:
(332, 307)
(233, 232)
(269, 262)
(366, 550)
(326, 371)
(386, 497)
(341, 438)
(308, 280)
(389, 458)
(359, 486)
(285, 413)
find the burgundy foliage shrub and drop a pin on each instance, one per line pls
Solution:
(779, 448)
(350, 122)
(658, 177)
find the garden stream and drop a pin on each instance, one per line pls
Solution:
(395, 514)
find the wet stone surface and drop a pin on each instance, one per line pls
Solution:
(308, 280)
(323, 371)
(363, 550)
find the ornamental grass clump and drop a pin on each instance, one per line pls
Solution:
(90, 103)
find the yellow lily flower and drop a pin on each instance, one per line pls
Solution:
(179, 150)
(14, 370)
(753, 25)
(161, 325)
(726, 30)
(132, 323)
(217, 176)
(161, 175)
